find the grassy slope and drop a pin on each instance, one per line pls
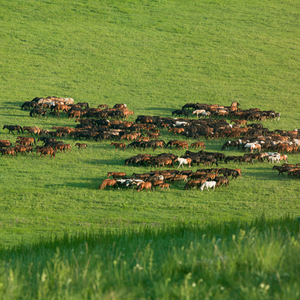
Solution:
(154, 56)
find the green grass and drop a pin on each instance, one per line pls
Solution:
(154, 56)
(231, 260)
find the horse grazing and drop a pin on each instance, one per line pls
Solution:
(208, 184)
(119, 145)
(116, 174)
(145, 185)
(108, 182)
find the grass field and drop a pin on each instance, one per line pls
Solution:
(228, 260)
(155, 56)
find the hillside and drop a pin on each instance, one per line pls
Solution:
(155, 56)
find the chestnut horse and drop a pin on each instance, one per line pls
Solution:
(119, 145)
(108, 182)
(145, 185)
(198, 144)
(116, 174)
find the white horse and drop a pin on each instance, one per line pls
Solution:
(274, 159)
(198, 112)
(208, 184)
(184, 161)
(178, 123)
(255, 147)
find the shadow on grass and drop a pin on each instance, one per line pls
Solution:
(159, 109)
(112, 162)
(87, 183)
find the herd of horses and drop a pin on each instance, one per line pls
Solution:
(200, 179)
(25, 145)
(104, 123)
(53, 106)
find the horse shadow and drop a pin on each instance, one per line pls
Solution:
(112, 162)
(267, 176)
(85, 183)
(159, 109)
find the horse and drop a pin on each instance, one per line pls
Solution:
(184, 161)
(281, 169)
(45, 151)
(198, 112)
(274, 159)
(255, 147)
(8, 151)
(165, 185)
(12, 128)
(23, 140)
(234, 104)
(192, 184)
(179, 112)
(38, 112)
(5, 143)
(81, 145)
(198, 145)
(116, 174)
(119, 145)
(145, 185)
(32, 130)
(107, 182)
(176, 130)
(208, 184)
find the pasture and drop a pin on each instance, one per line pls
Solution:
(155, 56)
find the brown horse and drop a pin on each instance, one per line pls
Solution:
(119, 145)
(45, 151)
(165, 185)
(145, 185)
(107, 182)
(198, 145)
(27, 141)
(116, 174)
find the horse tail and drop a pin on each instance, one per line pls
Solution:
(34, 141)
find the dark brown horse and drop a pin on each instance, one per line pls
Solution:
(81, 145)
(12, 128)
(119, 145)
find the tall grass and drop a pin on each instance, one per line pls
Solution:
(232, 260)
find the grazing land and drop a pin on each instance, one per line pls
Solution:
(155, 56)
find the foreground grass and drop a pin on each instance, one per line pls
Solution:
(231, 260)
